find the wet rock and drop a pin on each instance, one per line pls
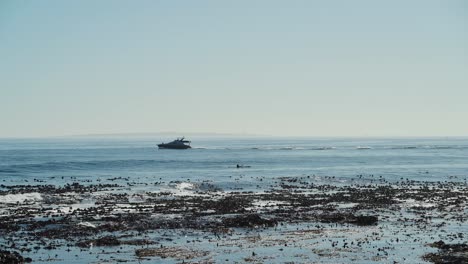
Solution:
(448, 253)
(249, 220)
(138, 242)
(332, 218)
(170, 252)
(100, 242)
(66, 231)
(11, 257)
(8, 225)
(365, 220)
(449, 247)
(49, 226)
(361, 220)
(227, 205)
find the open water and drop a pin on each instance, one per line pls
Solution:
(330, 161)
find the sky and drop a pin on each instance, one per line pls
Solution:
(285, 68)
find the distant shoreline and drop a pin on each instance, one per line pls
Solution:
(220, 135)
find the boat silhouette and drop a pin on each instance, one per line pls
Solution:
(178, 143)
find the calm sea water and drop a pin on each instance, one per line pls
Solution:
(336, 161)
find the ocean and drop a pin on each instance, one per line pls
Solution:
(328, 200)
(215, 159)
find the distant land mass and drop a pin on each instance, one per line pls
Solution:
(171, 134)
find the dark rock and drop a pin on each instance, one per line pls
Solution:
(8, 225)
(332, 218)
(100, 242)
(364, 220)
(138, 242)
(450, 247)
(361, 220)
(7, 257)
(448, 253)
(170, 252)
(249, 220)
(227, 205)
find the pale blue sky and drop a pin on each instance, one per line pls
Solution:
(291, 68)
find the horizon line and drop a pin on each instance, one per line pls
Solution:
(221, 134)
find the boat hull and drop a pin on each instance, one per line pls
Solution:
(170, 146)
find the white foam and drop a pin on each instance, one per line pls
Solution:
(363, 147)
(260, 205)
(269, 203)
(185, 186)
(345, 205)
(70, 208)
(20, 197)
(414, 203)
(87, 224)
(165, 216)
(124, 208)
(184, 189)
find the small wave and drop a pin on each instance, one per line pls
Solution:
(427, 147)
(287, 148)
(181, 188)
(265, 148)
(444, 147)
(404, 147)
(323, 148)
(8, 171)
(20, 198)
(81, 165)
(185, 186)
(363, 147)
(86, 224)
(189, 188)
(292, 148)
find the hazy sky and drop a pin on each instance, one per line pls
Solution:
(304, 68)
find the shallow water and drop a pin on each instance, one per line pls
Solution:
(140, 171)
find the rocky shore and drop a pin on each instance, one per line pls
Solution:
(295, 220)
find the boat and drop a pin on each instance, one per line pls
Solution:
(178, 143)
